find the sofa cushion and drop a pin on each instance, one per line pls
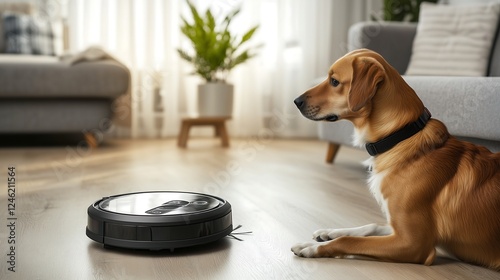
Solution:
(25, 34)
(468, 106)
(45, 76)
(454, 40)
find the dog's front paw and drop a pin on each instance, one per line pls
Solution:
(306, 250)
(326, 234)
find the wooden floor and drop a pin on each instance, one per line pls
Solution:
(279, 189)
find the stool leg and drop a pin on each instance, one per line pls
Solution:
(183, 135)
(223, 134)
(217, 130)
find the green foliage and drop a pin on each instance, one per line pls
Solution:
(403, 10)
(216, 50)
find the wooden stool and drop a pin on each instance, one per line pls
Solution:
(219, 124)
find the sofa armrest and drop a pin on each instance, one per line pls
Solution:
(393, 40)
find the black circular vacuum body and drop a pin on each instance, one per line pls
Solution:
(158, 220)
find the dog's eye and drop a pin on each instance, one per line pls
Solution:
(334, 82)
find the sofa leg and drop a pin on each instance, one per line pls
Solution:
(91, 140)
(333, 149)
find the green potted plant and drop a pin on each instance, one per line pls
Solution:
(215, 52)
(403, 10)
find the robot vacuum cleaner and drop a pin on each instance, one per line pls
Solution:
(158, 220)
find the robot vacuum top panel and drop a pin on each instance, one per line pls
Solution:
(160, 203)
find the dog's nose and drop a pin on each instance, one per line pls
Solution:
(299, 102)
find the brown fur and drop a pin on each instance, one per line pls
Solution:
(440, 191)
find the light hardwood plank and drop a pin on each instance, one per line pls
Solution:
(280, 189)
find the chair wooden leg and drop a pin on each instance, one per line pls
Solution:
(333, 149)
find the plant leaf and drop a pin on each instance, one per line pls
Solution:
(184, 55)
(210, 20)
(248, 35)
(244, 56)
(230, 17)
(196, 16)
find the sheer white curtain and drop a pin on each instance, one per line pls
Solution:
(301, 38)
(143, 35)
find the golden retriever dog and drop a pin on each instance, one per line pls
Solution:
(435, 190)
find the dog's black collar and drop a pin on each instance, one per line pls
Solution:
(404, 133)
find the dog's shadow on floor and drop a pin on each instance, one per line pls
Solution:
(444, 261)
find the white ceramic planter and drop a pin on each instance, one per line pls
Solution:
(215, 100)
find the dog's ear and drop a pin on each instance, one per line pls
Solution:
(367, 74)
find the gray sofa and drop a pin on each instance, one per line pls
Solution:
(469, 106)
(42, 94)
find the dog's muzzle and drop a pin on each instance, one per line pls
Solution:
(311, 112)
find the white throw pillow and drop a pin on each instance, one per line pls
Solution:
(454, 40)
